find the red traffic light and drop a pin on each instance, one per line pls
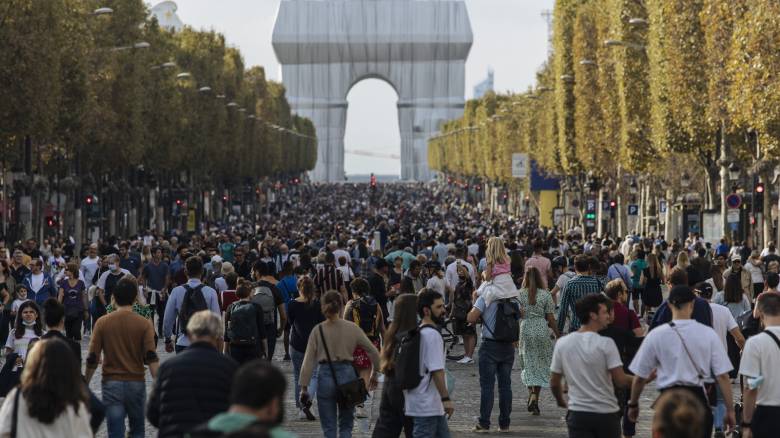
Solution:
(89, 200)
(224, 198)
(612, 204)
(760, 188)
(178, 202)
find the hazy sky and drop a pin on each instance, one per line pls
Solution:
(510, 36)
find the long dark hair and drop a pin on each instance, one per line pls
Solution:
(404, 319)
(51, 380)
(532, 282)
(19, 326)
(732, 290)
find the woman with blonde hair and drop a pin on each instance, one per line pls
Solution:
(498, 282)
(536, 347)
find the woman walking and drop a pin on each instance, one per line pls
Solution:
(733, 296)
(391, 419)
(331, 345)
(651, 280)
(364, 311)
(304, 313)
(536, 347)
(462, 300)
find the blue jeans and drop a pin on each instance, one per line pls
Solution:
(297, 362)
(124, 399)
(334, 420)
(495, 359)
(431, 427)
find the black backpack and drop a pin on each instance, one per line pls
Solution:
(242, 328)
(507, 327)
(748, 324)
(364, 315)
(407, 358)
(193, 302)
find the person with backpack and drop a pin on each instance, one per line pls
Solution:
(392, 418)
(331, 347)
(244, 326)
(73, 296)
(185, 300)
(420, 371)
(500, 319)
(267, 296)
(364, 311)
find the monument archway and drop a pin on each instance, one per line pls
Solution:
(419, 47)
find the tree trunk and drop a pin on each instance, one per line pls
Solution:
(725, 188)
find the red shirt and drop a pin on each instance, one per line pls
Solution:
(624, 318)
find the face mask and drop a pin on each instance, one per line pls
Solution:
(112, 266)
(28, 323)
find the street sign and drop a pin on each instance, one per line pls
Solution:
(558, 216)
(590, 205)
(519, 165)
(662, 206)
(734, 200)
(633, 210)
(733, 216)
(605, 205)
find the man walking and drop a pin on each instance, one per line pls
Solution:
(685, 354)
(267, 296)
(592, 405)
(126, 342)
(193, 386)
(184, 301)
(578, 287)
(428, 403)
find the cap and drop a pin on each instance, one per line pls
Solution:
(736, 258)
(216, 259)
(681, 295)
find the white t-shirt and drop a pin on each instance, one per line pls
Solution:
(722, 322)
(563, 279)
(663, 350)
(15, 305)
(19, 346)
(425, 401)
(439, 285)
(756, 275)
(88, 267)
(36, 282)
(75, 423)
(584, 359)
(760, 358)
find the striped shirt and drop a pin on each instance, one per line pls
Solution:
(575, 289)
(328, 278)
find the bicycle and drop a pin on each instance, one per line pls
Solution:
(451, 341)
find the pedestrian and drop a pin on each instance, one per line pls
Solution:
(761, 414)
(538, 261)
(536, 347)
(192, 296)
(429, 403)
(651, 279)
(245, 327)
(755, 267)
(593, 409)
(267, 296)
(746, 280)
(578, 287)
(305, 314)
(684, 354)
(498, 282)
(126, 342)
(252, 413)
(51, 400)
(392, 418)
(155, 277)
(702, 312)
(288, 287)
(193, 386)
(637, 266)
(73, 295)
(364, 311)
(678, 414)
(40, 285)
(413, 282)
(332, 345)
(437, 281)
(461, 303)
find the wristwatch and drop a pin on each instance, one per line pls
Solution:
(745, 425)
(445, 399)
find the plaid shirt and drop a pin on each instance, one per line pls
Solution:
(575, 289)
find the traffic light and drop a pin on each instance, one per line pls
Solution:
(612, 208)
(89, 200)
(179, 202)
(51, 221)
(759, 197)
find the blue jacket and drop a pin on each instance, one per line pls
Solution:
(49, 288)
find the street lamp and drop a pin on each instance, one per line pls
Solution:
(733, 172)
(141, 45)
(183, 75)
(589, 62)
(103, 11)
(633, 188)
(567, 78)
(231, 105)
(204, 89)
(638, 22)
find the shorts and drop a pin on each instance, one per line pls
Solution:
(360, 359)
(462, 328)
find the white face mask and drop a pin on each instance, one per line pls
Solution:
(28, 323)
(112, 266)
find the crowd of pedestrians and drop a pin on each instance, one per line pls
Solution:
(360, 288)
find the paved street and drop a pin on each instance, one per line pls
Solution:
(550, 423)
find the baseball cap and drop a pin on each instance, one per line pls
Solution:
(736, 258)
(681, 295)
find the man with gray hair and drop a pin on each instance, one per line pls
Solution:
(194, 385)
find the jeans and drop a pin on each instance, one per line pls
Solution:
(766, 421)
(335, 420)
(495, 360)
(719, 411)
(124, 399)
(593, 425)
(431, 427)
(297, 362)
(270, 331)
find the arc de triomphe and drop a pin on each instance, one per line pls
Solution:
(419, 47)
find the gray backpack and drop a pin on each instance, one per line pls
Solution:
(264, 296)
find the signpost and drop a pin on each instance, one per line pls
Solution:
(519, 165)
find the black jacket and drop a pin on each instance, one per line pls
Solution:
(190, 388)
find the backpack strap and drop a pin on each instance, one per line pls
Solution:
(773, 336)
(15, 415)
(327, 354)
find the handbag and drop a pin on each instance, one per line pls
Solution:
(710, 391)
(350, 394)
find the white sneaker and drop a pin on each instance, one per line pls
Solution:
(466, 360)
(301, 414)
(360, 412)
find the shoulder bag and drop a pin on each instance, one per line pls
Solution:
(350, 394)
(709, 388)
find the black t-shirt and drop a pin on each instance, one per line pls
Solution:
(111, 281)
(303, 318)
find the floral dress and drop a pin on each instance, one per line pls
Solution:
(536, 347)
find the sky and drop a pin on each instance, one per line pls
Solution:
(510, 36)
